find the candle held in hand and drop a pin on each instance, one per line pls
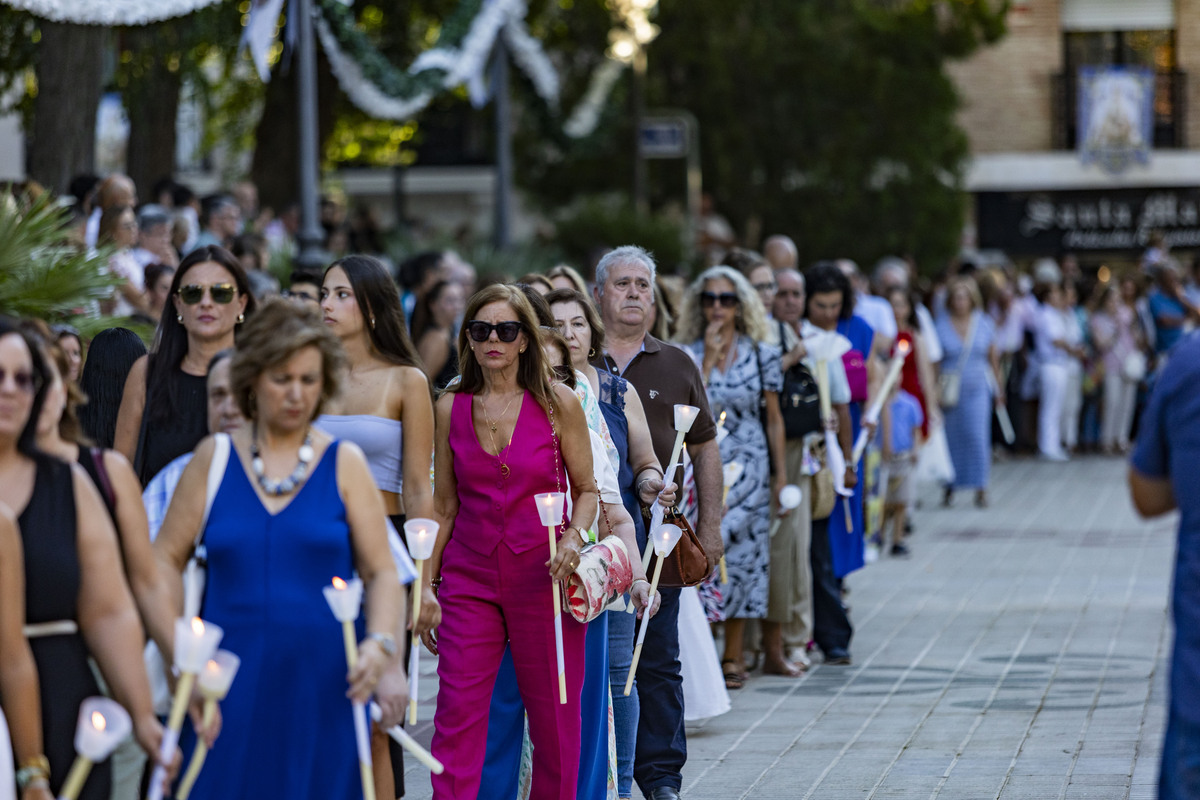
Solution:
(214, 682)
(550, 509)
(422, 536)
(102, 725)
(664, 540)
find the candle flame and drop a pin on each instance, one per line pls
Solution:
(197, 626)
(902, 347)
(212, 666)
(722, 420)
(338, 583)
(98, 721)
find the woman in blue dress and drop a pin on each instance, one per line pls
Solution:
(294, 509)
(964, 327)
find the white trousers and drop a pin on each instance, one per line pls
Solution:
(1054, 379)
(1120, 397)
(1071, 406)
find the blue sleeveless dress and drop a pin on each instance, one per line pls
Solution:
(287, 729)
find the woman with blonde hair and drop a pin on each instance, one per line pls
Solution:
(969, 373)
(722, 323)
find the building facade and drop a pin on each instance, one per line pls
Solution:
(1084, 125)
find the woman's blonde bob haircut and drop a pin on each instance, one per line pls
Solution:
(276, 332)
(533, 373)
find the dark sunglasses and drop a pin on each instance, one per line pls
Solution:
(25, 381)
(221, 293)
(481, 331)
(727, 299)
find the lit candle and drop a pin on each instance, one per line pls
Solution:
(721, 432)
(195, 643)
(345, 599)
(214, 681)
(824, 347)
(421, 535)
(103, 724)
(876, 407)
(789, 498)
(664, 539)
(409, 743)
(550, 508)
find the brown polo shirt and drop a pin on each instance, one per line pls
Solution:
(665, 375)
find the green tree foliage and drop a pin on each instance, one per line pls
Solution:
(828, 120)
(46, 275)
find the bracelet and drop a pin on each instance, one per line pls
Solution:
(637, 581)
(35, 769)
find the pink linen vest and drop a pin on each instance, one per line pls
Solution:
(492, 508)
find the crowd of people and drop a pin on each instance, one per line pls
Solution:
(288, 433)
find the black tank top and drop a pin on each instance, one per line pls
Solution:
(162, 441)
(52, 574)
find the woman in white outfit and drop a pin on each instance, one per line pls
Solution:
(1116, 335)
(1057, 340)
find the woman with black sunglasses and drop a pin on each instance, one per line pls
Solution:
(723, 324)
(164, 409)
(387, 410)
(505, 432)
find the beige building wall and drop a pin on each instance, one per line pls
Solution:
(1187, 54)
(1007, 89)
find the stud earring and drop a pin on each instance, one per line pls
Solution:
(372, 323)
(522, 349)
(179, 317)
(241, 318)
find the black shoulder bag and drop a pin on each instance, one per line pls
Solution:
(800, 401)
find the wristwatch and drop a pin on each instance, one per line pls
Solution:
(583, 535)
(386, 641)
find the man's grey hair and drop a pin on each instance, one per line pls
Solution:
(152, 215)
(889, 268)
(623, 255)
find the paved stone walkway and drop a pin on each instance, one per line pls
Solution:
(1019, 653)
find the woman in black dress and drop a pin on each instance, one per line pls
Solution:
(211, 299)
(77, 602)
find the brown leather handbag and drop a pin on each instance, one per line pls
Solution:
(687, 564)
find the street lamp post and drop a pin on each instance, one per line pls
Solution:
(310, 235)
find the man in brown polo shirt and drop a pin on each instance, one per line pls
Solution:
(663, 375)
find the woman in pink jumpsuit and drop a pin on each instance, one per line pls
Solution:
(504, 434)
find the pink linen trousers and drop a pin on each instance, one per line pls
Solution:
(496, 589)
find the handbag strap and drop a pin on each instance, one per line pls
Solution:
(762, 394)
(968, 343)
(216, 472)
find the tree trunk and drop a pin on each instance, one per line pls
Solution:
(70, 74)
(152, 103)
(275, 168)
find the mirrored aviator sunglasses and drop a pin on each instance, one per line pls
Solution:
(480, 331)
(221, 293)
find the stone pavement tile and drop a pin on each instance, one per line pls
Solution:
(1033, 787)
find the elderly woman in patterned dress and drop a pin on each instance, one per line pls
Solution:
(723, 325)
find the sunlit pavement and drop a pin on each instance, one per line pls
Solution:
(1020, 652)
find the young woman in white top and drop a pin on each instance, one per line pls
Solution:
(386, 408)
